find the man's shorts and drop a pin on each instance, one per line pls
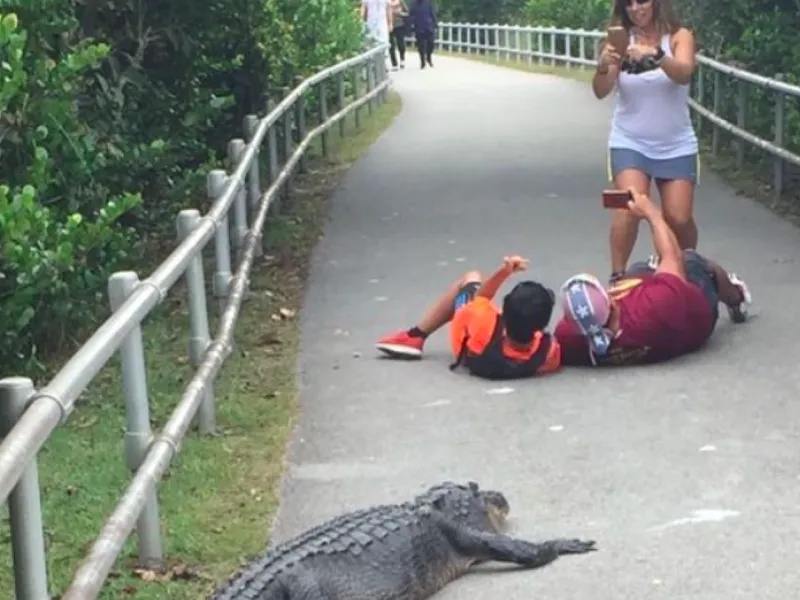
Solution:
(465, 294)
(698, 272)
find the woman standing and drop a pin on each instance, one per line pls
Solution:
(398, 34)
(423, 20)
(651, 136)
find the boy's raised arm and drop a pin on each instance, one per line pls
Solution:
(511, 264)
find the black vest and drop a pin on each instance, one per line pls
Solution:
(491, 363)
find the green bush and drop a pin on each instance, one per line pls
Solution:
(112, 114)
(53, 261)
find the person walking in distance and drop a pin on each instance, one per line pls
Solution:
(378, 17)
(423, 20)
(651, 134)
(398, 34)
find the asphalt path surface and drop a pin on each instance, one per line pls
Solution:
(685, 473)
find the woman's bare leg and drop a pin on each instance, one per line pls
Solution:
(677, 205)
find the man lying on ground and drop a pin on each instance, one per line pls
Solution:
(491, 343)
(655, 312)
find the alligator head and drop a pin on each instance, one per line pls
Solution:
(485, 510)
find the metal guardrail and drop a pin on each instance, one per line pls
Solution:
(579, 48)
(28, 417)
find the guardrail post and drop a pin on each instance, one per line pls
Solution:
(300, 113)
(221, 283)
(239, 212)
(529, 45)
(250, 126)
(780, 129)
(370, 66)
(356, 74)
(383, 96)
(254, 177)
(340, 99)
(199, 337)
(552, 46)
(24, 502)
(568, 51)
(741, 105)
(582, 47)
(439, 37)
(274, 169)
(540, 46)
(496, 41)
(474, 34)
(287, 143)
(323, 112)
(517, 46)
(715, 109)
(138, 434)
(700, 96)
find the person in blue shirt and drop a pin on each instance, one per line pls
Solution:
(423, 19)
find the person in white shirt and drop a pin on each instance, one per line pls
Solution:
(651, 135)
(378, 15)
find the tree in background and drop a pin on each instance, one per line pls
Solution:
(111, 114)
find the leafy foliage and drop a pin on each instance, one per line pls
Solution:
(111, 113)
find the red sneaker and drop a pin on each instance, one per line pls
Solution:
(401, 345)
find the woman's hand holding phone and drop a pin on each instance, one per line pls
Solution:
(608, 58)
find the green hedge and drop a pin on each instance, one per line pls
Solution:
(110, 115)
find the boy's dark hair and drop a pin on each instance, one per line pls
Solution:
(527, 308)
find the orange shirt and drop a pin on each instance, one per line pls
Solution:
(477, 319)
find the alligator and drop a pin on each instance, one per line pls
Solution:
(405, 551)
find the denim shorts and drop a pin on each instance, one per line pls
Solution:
(681, 167)
(465, 294)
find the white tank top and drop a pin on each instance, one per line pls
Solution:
(377, 24)
(651, 114)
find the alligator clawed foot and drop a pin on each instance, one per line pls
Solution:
(575, 546)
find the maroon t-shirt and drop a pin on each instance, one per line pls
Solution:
(661, 317)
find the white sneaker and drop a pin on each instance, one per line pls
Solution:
(652, 261)
(739, 313)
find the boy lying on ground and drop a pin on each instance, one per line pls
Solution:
(490, 343)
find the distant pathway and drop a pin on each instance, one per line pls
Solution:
(484, 161)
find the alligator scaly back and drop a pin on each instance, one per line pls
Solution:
(402, 551)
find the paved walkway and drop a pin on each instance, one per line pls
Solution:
(485, 161)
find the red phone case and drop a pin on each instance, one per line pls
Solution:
(616, 198)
